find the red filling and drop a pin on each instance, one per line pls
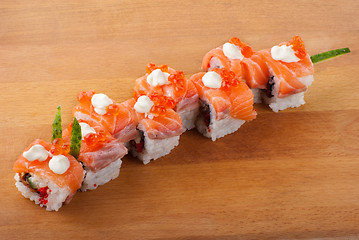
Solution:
(43, 194)
(139, 146)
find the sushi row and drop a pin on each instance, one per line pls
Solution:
(88, 152)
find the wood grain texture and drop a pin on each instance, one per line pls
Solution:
(291, 175)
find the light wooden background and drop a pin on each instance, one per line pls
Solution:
(291, 175)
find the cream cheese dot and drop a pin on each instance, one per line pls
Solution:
(36, 152)
(284, 53)
(100, 101)
(158, 78)
(212, 80)
(232, 51)
(59, 164)
(143, 104)
(86, 129)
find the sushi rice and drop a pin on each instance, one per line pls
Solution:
(189, 118)
(153, 148)
(217, 128)
(291, 101)
(57, 196)
(94, 179)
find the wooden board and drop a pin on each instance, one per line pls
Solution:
(290, 175)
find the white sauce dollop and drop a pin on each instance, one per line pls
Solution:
(59, 164)
(232, 51)
(143, 104)
(284, 53)
(36, 152)
(212, 80)
(100, 102)
(157, 78)
(86, 129)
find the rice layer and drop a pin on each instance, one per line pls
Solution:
(188, 118)
(218, 128)
(94, 179)
(56, 197)
(154, 148)
(256, 95)
(291, 101)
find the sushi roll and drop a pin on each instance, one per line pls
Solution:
(114, 117)
(226, 102)
(159, 126)
(171, 83)
(241, 59)
(100, 154)
(290, 74)
(47, 174)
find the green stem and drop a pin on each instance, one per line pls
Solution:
(330, 54)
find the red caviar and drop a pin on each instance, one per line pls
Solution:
(246, 50)
(140, 93)
(113, 109)
(229, 78)
(160, 101)
(151, 66)
(83, 97)
(178, 79)
(92, 139)
(298, 47)
(59, 147)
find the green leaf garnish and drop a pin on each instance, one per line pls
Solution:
(76, 138)
(56, 125)
(326, 55)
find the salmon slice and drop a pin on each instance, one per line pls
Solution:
(117, 120)
(98, 150)
(233, 98)
(158, 126)
(288, 74)
(251, 68)
(255, 72)
(233, 65)
(241, 98)
(220, 101)
(71, 179)
(178, 87)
